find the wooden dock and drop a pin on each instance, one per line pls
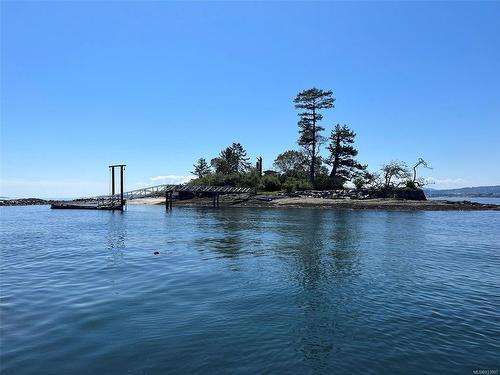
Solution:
(117, 201)
(109, 202)
(195, 190)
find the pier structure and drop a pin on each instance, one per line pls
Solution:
(161, 190)
(116, 200)
(167, 191)
(122, 182)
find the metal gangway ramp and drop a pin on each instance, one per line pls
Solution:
(160, 190)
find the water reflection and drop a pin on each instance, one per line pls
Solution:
(315, 251)
(227, 233)
(311, 246)
(116, 235)
(344, 245)
(325, 253)
(231, 230)
(323, 246)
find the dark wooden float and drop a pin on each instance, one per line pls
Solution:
(90, 204)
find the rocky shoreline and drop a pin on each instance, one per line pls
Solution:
(309, 200)
(25, 202)
(279, 201)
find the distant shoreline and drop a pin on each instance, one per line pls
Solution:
(456, 196)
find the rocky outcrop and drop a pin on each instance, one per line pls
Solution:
(400, 193)
(397, 193)
(24, 202)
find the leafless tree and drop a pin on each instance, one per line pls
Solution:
(423, 163)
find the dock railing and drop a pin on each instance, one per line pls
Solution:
(159, 191)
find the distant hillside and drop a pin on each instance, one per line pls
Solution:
(478, 191)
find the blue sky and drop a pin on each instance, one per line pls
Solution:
(156, 85)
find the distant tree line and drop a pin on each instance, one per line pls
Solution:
(306, 168)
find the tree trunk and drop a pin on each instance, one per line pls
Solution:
(388, 180)
(336, 157)
(313, 155)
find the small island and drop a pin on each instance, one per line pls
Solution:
(307, 178)
(304, 177)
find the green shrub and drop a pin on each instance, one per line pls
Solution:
(231, 180)
(270, 172)
(359, 182)
(213, 179)
(292, 184)
(325, 182)
(270, 183)
(303, 184)
(289, 185)
(251, 179)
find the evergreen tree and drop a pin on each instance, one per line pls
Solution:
(342, 155)
(242, 162)
(312, 101)
(224, 163)
(201, 168)
(231, 160)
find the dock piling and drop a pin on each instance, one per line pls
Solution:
(216, 200)
(122, 202)
(122, 184)
(168, 199)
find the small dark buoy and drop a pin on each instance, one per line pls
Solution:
(157, 253)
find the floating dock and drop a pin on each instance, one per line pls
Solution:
(111, 202)
(90, 204)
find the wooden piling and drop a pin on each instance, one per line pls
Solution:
(122, 201)
(168, 199)
(112, 180)
(216, 200)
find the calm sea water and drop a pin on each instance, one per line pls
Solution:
(246, 291)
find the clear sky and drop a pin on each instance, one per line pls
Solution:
(156, 85)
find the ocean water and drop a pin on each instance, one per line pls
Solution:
(248, 291)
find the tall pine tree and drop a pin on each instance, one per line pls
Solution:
(243, 162)
(311, 102)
